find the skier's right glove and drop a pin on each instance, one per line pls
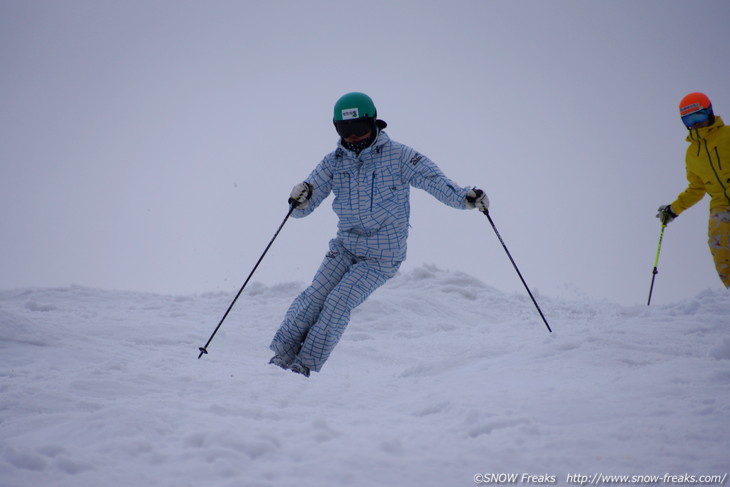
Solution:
(665, 214)
(300, 195)
(476, 198)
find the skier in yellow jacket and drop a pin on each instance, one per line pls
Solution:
(708, 171)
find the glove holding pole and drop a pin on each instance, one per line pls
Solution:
(665, 215)
(476, 198)
(300, 195)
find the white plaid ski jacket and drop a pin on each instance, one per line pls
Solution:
(372, 192)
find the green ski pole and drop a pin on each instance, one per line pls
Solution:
(656, 262)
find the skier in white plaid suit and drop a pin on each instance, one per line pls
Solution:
(370, 175)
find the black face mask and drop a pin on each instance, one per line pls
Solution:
(357, 147)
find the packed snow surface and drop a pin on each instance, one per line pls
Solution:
(439, 378)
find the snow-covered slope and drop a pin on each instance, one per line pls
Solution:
(438, 378)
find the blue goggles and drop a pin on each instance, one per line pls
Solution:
(697, 117)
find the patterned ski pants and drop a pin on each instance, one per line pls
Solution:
(319, 315)
(719, 241)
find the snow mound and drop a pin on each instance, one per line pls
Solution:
(438, 377)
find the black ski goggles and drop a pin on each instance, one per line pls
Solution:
(356, 127)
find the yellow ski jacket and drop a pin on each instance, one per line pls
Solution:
(708, 167)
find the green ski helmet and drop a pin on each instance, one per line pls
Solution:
(354, 105)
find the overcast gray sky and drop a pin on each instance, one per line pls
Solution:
(151, 145)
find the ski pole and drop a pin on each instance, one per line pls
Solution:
(518, 271)
(656, 262)
(204, 349)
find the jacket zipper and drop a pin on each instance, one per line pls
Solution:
(712, 166)
(372, 192)
(349, 189)
(719, 162)
(699, 142)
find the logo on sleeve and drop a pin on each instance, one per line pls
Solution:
(416, 159)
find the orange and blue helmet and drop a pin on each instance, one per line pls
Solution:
(695, 108)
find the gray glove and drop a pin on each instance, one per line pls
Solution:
(665, 214)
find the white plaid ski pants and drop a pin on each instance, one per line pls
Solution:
(316, 319)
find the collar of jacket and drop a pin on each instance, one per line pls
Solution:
(696, 135)
(380, 140)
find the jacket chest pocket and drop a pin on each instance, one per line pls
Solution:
(342, 188)
(387, 191)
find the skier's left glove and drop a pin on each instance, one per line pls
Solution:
(476, 198)
(666, 214)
